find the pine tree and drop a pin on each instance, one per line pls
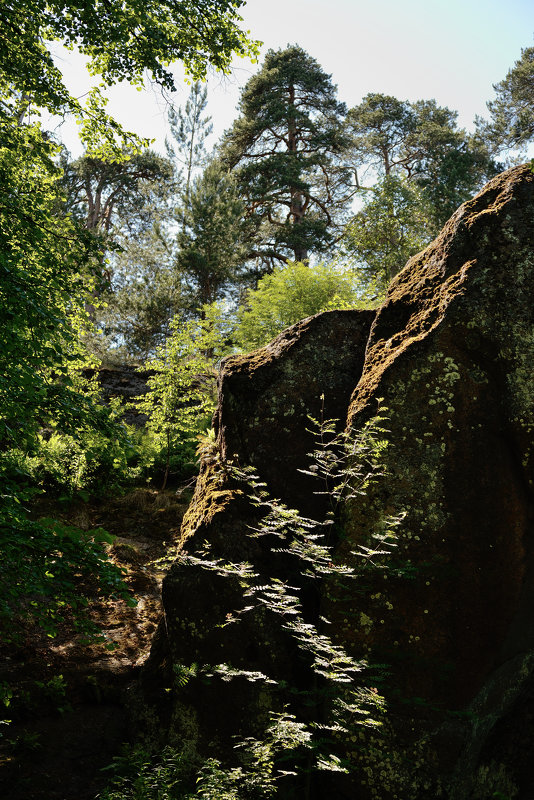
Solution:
(512, 111)
(210, 245)
(392, 225)
(105, 195)
(189, 129)
(122, 203)
(146, 293)
(419, 142)
(285, 150)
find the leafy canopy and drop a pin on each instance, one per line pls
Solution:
(181, 388)
(421, 142)
(102, 193)
(124, 40)
(392, 226)
(44, 266)
(291, 293)
(45, 257)
(211, 249)
(189, 130)
(49, 263)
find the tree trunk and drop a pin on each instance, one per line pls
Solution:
(296, 210)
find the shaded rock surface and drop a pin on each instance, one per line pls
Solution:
(266, 397)
(265, 401)
(125, 383)
(451, 352)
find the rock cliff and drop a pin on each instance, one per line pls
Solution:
(448, 612)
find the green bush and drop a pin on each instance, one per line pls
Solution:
(291, 293)
(92, 462)
(182, 389)
(140, 776)
(149, 460)
(46, 566)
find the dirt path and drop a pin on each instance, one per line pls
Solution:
(68, 715)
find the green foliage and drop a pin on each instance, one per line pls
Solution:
(144, 290)
(45, 258)
(257, 779)
(51, 267)
(45, 564)
(54, 688)
(146, 293)
(421, 143)
(391, 227)
(150, 282)
(140, 776)
(290, 293)
(125, 204)
(285, 149)
(95, 462)
(453, 175)
(189, 129)
(181, 394)
(26, 741)
(31, 698)
(101, 194)
(494, 780)
(381, 127)
(170, 776)
(122, 40)
(43, 286)
(420, 167)
(511, 122)
(211, 243)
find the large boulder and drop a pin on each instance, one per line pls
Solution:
(262, 421)
(450, 355)
(266, 398)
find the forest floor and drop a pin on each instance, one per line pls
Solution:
(68, 714)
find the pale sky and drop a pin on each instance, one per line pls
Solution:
(449, 50)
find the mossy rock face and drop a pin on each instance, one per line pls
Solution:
(451, 353)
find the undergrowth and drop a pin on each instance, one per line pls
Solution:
(47, 567)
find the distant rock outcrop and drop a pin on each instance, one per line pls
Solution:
(124, 383)
(451, 352)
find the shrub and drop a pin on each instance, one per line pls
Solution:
(291, 293)
(182, 390)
